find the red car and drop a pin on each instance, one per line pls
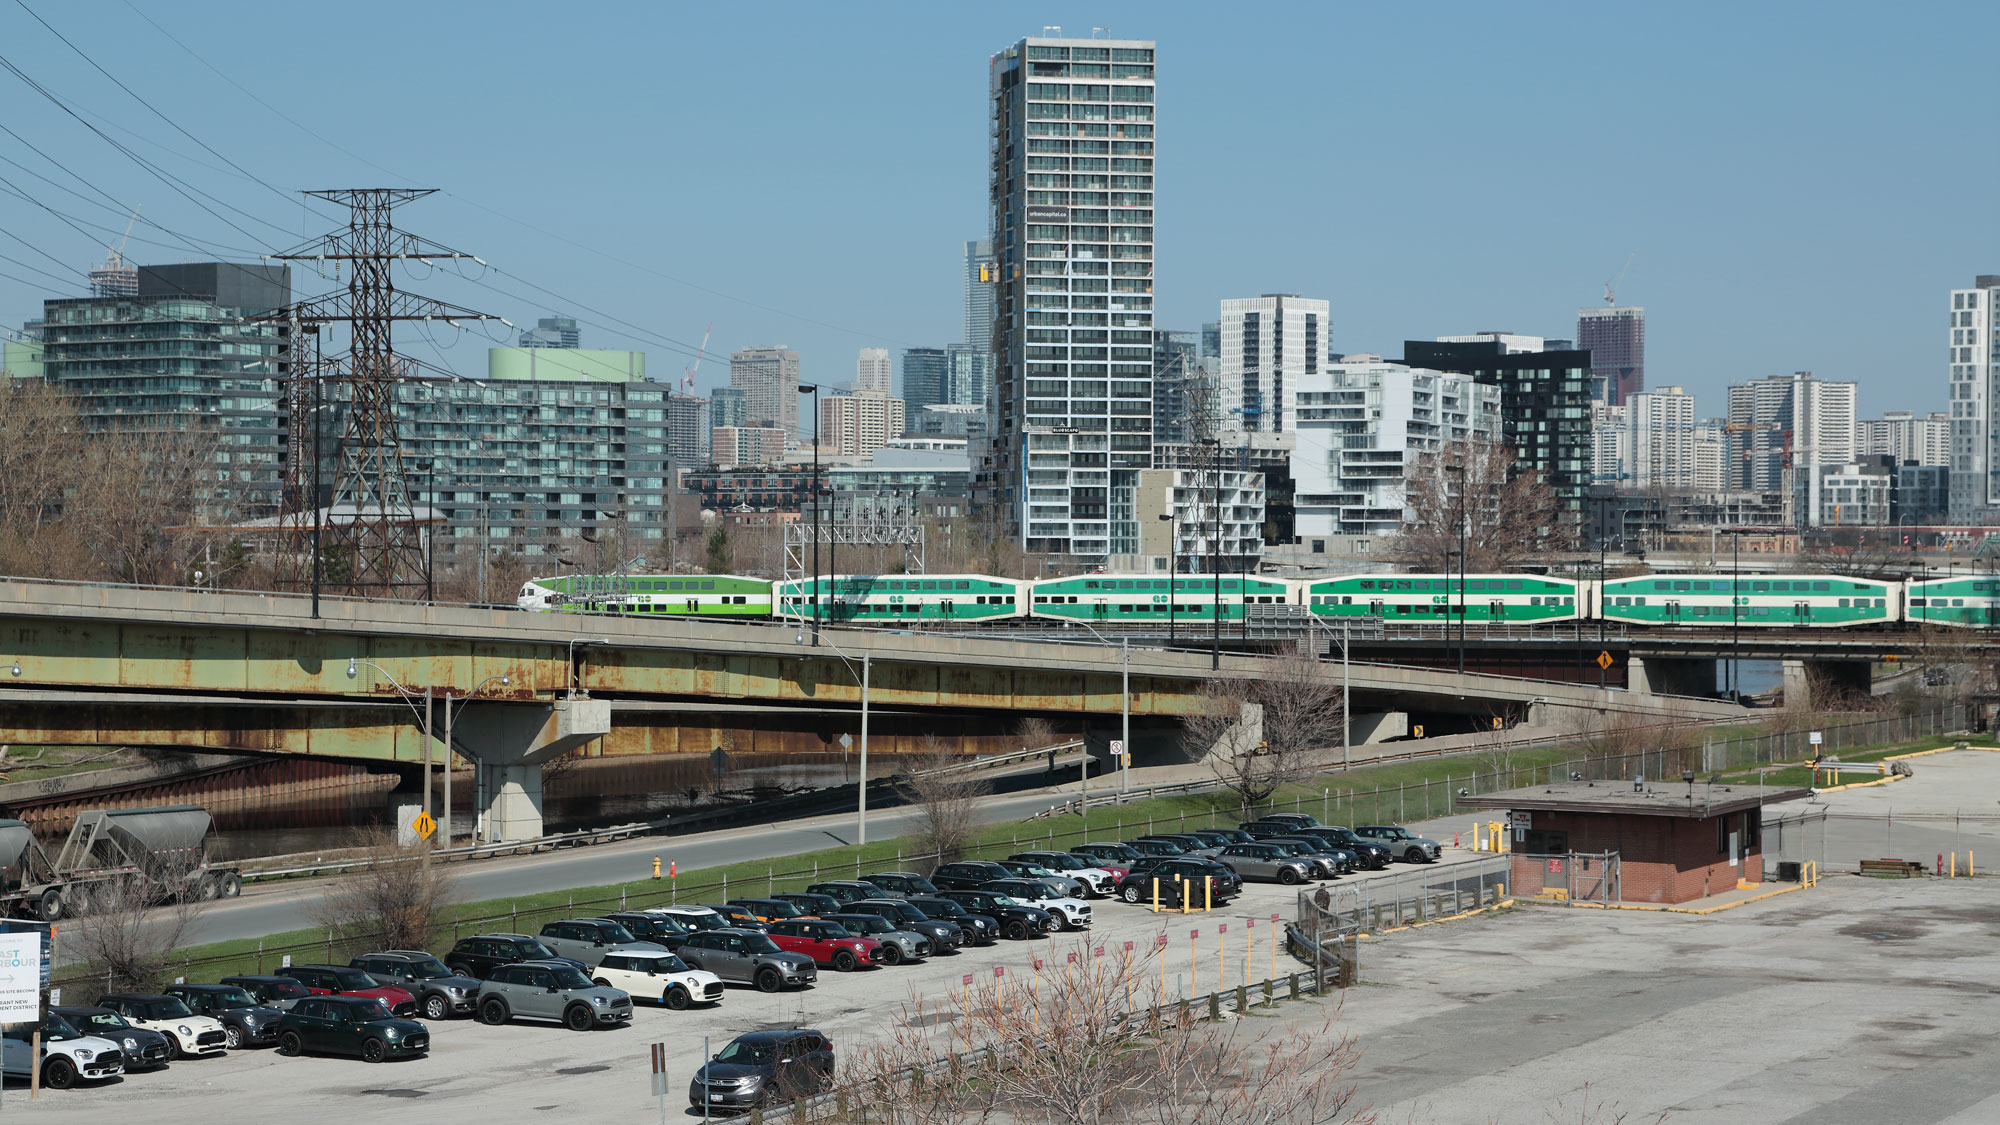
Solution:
(827, 943)
(344, 980)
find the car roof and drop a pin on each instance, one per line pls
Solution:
(655, 954)
(133, 996)
(779, 1036)
(679, 910)
(258, 979)
(904, 874)
(510, 937)
(80, 1009)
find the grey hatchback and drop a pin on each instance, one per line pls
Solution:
(550, 990)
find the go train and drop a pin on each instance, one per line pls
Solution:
(1769, 601)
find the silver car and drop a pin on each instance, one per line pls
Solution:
(589, 939)
(1264, 861)
(1401, 842)
(550, 990)
(898, 945)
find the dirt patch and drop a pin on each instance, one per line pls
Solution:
(1902, 1025)
(1883, 927)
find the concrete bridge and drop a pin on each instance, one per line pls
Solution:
(118, 665)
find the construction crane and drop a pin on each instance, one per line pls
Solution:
(114, 278)
(687, 380)
(1611, 287)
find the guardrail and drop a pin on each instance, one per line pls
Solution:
(994, 760)
(577, 838)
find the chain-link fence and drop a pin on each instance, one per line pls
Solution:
(1331, 918)
(1570, 876)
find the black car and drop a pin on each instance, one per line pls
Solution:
(1147, 845)
(1176, 872)
(144, 1049)
(1289, 819)
(1187, 841)
(764, 1068)
(903, 884)
(967, 875)
(980, 929)
(814, 904)
(351, 1025)
(1258, 829)
(1340, 860)
(1366, 854)
(1018, 921)
(270, 992)
(847, 890)
(1118, 855)
(664, 930)
(1221, 837)
(246, 1022)
(946, 936)
(477, 957)
(440, 992)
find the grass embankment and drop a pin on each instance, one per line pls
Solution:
(36, 763)
(1800, 775)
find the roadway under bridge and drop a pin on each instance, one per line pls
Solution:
(258, 673)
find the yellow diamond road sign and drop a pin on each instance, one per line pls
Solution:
(423, 826)
(1604, 660)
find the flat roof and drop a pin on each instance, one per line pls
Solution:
(1656, 798)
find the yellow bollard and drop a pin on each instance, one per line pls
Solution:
(1954, 866)
(1187, 894)
(656, 867)
(1207, 893)
(1968, 865)
(1503, 889)
(1156, 894)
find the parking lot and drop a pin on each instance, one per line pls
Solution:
(489, 1074)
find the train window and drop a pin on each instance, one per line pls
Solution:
(1368, 584)
(1760, 587)
(1918, 603)
(1621, 601)
(1763, 611)
(673, 585)
(1957, 601)
(1402, 585)
(1403, 609)
(1881, 603)
(1780, 587)
(1535, 601)
(964, 585)
(709, 585)
(930, 586)
(1638, 601)
(1682, 587)
(1040, 598)
(1822, 587)
(1513, 586)
(1843, 603)
(1346, 599)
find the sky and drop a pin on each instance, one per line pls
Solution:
(1795, 186)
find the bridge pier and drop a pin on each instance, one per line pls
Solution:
(1804, 678)
(1677, 675)
(507, 744)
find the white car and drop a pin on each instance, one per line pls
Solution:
(189, 1035)
(68, 1055)
(1064, 912)
(659, 976)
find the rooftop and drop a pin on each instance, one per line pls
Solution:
(1698, 799)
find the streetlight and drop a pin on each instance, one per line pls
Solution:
(478, 770)
(1174, 564)
(1214, 566)
(1602, 498)
(813, 390)
(861, 807)
(354, 667)
(1459, 472)
(1125, 717)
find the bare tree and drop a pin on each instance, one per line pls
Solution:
(1510, 513)
(129, 928)
(1035, 733)
(398, 901)
(947, 804)
(1296, 715)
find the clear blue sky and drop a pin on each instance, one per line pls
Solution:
(1801, 183)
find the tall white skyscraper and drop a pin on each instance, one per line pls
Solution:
(1906, 436)
(1271, 345)
(874, 373)
(1784, 427)
(768, 376)
(1975, 396)
(1071, 194)
(1660, 448)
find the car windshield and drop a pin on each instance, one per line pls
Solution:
(614, 932)
(944, 908)
(669, 964)
(1035, 891)
(569, 976)
(905, 911)
(55, 1029)
(367, 1009)
(352, 979)
(702, 921)
(168, 1009)
(778, 908)
(1008, 900)
(284, 989)
(231, 998)
(835, 930)
(867, 924)
(748, 1054)
(758, 943)
(1392, 833)
(104, 1021)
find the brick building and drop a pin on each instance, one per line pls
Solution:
(1676, 840)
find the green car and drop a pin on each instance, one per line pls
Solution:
(350, 1025)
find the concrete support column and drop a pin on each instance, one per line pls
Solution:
(514, 807)
(1797, 683)
(1379, 727)
(1638, 677)
(510, 741)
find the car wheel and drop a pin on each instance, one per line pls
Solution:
(1288, 877)
(232, 885)
(577, 1017)
(676, 998)
(175, 1051)
(1131, 893)
(493, 1011)
(436, 1007)
(601, 982)
(233, 1038)
(890, 954)
(844, 961)
(461, 971)
(58, 1073)
(289, 1043)
(769, 980)
(1057, 922)
(1414, 855)
(1017, 931)
(372, 1051)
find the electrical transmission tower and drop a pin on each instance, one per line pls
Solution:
(374, 537)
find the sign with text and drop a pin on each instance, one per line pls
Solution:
(20, 978)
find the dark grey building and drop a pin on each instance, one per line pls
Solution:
(1544, 405)
(926, 372)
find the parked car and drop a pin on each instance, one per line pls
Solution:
(1094, 881)
(1187, 843)
(551, 990)
(1258, 829)
(440, 992)
(644, 974)
(743, 957)
(737, 917)
(1018, 920)
(847, 890)
(663, 930)
(1065, 913)
(968, 874)
(770, 909)
(1328, 861)
(589, 939)
(946, 937)
(1151, 846)
(188, 1035)
(980, 929)
(245, 1023)
(1176, 872)
(814, 905)
(1290, 819)
(827, 943)
(898, 944)
(764, 1068)
(1401, 842)
(272, 992)
(1366, 855)
(1107, 854)
(143, 1048)
(68, 1055)
(695, 918)
(478, 956)
(342, 980)
(1222, 836)
(903, 884)
(350, 1025)
(1265, 861)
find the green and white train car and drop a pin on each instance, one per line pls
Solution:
(653, 595)
(1971, 601)
(1761, 601)
(1522, 599)
(885, 599)
(1122, 599)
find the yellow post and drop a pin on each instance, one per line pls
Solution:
(1187, 897)
(1503, 889)
(1156, 894)
(1968, 864)
(1207, 893)
(1954, 866)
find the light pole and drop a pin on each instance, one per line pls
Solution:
(450, 713)
(861, 807)
(1735, 615)
(1173, 565)
(1603, 503)
(813, 390)
(1210, 453)
(354, 666)
(1458, 471)
(1125, 714)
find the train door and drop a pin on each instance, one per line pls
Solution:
(1496, 610)
(1375, 607)
(1674, 610)
(1801, 613)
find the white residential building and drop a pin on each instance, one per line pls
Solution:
(874, 373)
(1218, 514)
(1271, 346)
(1361, 422)
(1711, 456)
(1975, 398)
(1661, 426)
(1611, 445)
(1906, 436)
(859, 424)
(1788, 424)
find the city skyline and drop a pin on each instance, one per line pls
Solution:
(1702, 249)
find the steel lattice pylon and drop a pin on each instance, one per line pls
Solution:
(373, 541)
